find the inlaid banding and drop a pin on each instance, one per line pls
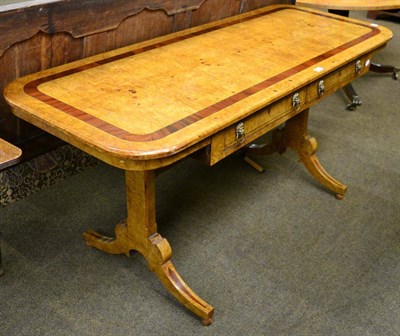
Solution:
(178, 283)
(32, 88)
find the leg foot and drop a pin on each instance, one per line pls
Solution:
(308, 157)
(353, 97)
(207, 322)
(158, 254)
(339, 197)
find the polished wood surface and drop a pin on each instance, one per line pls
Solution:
(206, 92)
(351, 4)
(9, 154)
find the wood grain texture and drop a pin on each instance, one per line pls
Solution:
(351, 4)
(160, 97)
(248, 5)
(213, 10)
(9, 154)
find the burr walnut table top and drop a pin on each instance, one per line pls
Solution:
(352, 4)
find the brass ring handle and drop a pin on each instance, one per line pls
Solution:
(296, 101)
(358, 67)
(321, 88)
(240, 132)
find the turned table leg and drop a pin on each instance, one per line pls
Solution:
(139, 232)
(295, 135)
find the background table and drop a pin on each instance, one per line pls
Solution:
(342, 7)
(352, 4)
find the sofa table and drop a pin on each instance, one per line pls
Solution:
(205, 92)
(342, 7)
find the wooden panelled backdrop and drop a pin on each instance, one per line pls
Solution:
(52, 33)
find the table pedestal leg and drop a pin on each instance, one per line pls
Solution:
(139, 232)
(295, 135)
(379, 68)
(352, 96)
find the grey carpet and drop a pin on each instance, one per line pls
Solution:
(274, 253)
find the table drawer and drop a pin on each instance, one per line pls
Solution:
(325, 86)
(247, 130)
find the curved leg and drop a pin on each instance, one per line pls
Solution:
(158, 254)
(117, 245)
(139, 232)
(353, 97)
(296, 137)
(374, 67)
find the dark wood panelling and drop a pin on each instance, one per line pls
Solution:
(143, 26)
(248, 5)
(64, 48)
(212, 10)
(182, 20)
(79, 18)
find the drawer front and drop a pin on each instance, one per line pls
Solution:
(249, 129)
(332, 82)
